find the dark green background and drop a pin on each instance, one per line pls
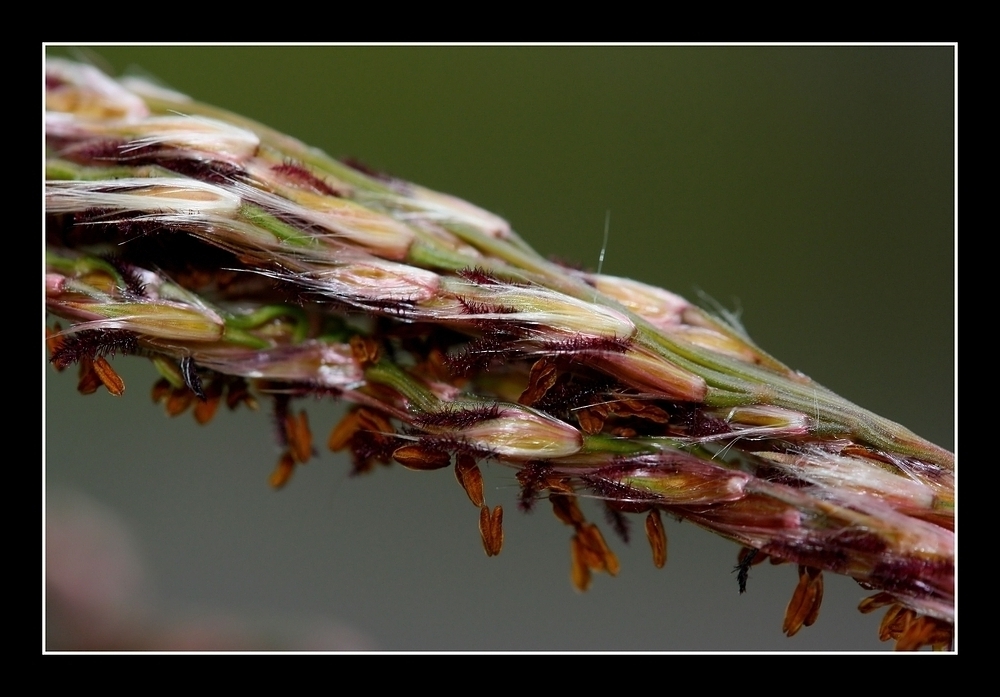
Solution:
(813, 187)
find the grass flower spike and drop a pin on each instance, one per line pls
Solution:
(252, 269)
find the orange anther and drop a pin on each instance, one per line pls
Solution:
(894, 622)
(579, 570)
(566, 509)
(874, 602)
(366, 351)
(419, 457)
(108, 377)
(283, 472)
(598, 555)
(542, 377)
(89, 379)
(657, 538)
(53, 342)
(342, 433)
(491, 529)
(471, 479)
(161, 389)
(591, 420)
(803, 609)
(204, 410)
(179, 400)
(299, 436)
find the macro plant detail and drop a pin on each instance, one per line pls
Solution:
(252, 269)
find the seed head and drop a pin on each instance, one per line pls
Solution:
(248, 266)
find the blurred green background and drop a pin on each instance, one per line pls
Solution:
(811, 187)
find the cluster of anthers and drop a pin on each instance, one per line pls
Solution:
(248, 266)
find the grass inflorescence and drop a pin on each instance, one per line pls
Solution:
(258, 269)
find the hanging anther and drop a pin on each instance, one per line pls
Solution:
(299, 436)
(803, 609)
(366, 351)
(657, 536)
(204, 410)
(89, 380)
(491, 529)
(108, 377)
(283, 472)
(468, 475)
(419, 457)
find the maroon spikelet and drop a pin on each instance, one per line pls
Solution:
(299, 176)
